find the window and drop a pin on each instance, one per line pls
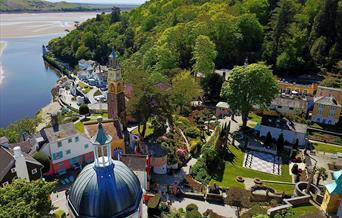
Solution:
(291, 108)
(57, 156)
(86, 146)
(4, 184)
(13, 170)
(279, 106)
(70, 140)
(34, 171)
(59, 144)
(76, 139)
(68, 151)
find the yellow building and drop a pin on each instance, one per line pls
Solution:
(333, 194)
(301, 89)
(112, 128)
(331, 92)
(326, 110)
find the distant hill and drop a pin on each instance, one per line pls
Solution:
(45, 6)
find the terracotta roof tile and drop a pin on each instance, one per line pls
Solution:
(112, 128)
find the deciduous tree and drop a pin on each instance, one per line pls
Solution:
(26, 199)
(248, 86)
(204, 55)
(184, 89)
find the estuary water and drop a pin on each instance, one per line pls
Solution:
(25, 80)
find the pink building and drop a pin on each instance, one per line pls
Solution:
(66, 147)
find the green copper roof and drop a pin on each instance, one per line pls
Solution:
(336, 186)
(101, 137)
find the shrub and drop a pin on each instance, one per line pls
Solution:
(200, 173)
(195, 144)
(238, 197)
(191, 207)
(164, 207)
(43, 159)
(192, 132)
(254, 211)
(193, 214)
(59, 214)
(294, 169)
(84, 109)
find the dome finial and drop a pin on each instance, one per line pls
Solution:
(99, 119)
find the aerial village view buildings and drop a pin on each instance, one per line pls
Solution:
(209, 142)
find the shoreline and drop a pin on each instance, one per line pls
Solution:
(123, 7)
(3, 45)
(27, 25)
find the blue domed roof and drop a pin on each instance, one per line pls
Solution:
(111, 191)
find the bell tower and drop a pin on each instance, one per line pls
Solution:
(115, 96)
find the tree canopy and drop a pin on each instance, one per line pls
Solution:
(14, 131)
(204, 55)
(248, 86)
(26, 199)
(184, 89)
(294, 37)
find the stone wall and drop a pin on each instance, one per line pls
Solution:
(290, 202)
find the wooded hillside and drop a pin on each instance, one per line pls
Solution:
(294, 36)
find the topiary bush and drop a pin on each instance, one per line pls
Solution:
(193, 214)
(191, 207)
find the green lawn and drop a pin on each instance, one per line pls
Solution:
(234, 168)
(287, 188)
(304, 210)
(104, 115)
(85, 87)
(79, 126)
(252, 125)
(254, 117)
(334, 128)
(149, 130)
(327, 148)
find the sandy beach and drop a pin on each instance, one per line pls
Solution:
(35, 24)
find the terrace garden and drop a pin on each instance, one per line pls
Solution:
(234, 168)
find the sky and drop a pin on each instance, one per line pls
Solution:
(104, 1)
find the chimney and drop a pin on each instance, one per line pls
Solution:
(20, 164)
(54, 122)
(4, 142)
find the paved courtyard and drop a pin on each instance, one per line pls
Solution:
(222, 210)
(263, 162)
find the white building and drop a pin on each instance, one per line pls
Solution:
(66, 147)
(289, 105)
(290, 130)
(84, 65)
